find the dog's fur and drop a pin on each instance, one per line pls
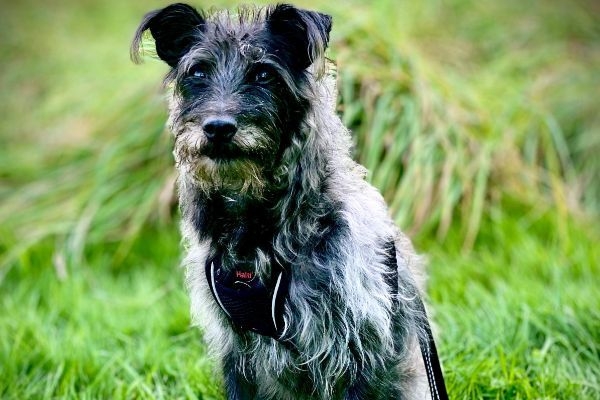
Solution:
(285, 190)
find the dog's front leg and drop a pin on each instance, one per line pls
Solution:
(237, 386)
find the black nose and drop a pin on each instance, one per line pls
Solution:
(220, 128)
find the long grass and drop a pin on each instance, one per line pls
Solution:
(477, 120)
(448, 123)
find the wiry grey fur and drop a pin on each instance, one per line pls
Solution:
(327, 225)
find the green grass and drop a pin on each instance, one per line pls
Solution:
(519, 316)
(477, 120)
(102, 333)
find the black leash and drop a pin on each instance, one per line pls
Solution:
(433, 368)
(435, 377)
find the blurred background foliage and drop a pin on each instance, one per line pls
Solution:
(478, 121)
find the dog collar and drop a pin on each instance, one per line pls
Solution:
(249, 303)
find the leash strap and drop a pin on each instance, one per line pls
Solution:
(433, 368)
(435, 377)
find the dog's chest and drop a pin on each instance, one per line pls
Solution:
(234, 223)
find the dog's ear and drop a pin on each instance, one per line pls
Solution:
(300, 36)
(174, 28)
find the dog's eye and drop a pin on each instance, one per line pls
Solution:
(264, 75)
(198, 72)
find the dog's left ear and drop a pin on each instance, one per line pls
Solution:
(175, 29)
(300, 36)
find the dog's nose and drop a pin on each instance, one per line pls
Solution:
(220, 128)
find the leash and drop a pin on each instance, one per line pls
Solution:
(433, 368)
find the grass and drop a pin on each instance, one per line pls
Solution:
(99, 333)
(477, 121)
(518, 316)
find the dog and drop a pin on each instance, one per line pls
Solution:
(303, 286)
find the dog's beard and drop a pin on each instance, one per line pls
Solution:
(237, 167)
(241, 176)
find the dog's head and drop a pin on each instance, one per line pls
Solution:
(240, 87)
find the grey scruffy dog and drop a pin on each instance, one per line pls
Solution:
(303, 286)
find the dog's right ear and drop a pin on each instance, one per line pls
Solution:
(300, 36)
(174, 28)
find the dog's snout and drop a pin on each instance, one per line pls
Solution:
(219, 128)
